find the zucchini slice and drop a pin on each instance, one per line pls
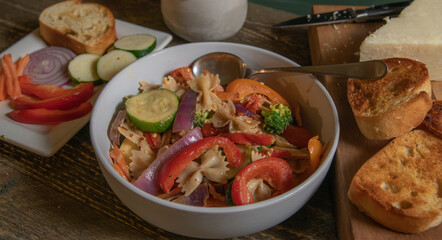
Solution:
(83, 68)
(138, 44)
(113, 62)
(153, 111)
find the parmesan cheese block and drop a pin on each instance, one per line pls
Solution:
(416, 34)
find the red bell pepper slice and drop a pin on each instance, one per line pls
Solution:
(153, 139)
(44, 91)
(251, 139)
(173, 168)
(70, 99)
(45, 116)
(280, 153)
(297, 136)
(274, 171)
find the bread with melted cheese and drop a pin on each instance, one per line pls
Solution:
(81, 27)
(394, 105)
(400, 186)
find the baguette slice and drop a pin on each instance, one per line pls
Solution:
(81, 27)
(400, 186)
(433, 120)
(393, 105)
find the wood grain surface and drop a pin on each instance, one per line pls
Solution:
(66, 196)
(338, 44)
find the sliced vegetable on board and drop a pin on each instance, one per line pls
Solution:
(49, 66)
(11, 78)
(83, 68)
(80, 94)
(137, 44)
(113, 62)
(45, 116)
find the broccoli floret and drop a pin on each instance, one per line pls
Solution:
(276, 118)
(202, 117)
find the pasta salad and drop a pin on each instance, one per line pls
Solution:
(192, 141)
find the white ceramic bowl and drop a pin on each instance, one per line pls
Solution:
(318, 112)
(207, 20)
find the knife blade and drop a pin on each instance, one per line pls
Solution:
(347, 15)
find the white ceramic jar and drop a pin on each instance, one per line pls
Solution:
(204, 20)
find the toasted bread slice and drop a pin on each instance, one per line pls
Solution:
(401, 186)
(393, 105)
(433, 120)
(81, 27)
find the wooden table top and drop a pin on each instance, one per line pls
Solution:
(66, 196)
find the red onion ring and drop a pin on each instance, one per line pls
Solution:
(148, 180)
(186, 112)
(245, 111)
(197, 198)
(49, 66)
(114, 134)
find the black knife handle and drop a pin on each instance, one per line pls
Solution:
(380, 11)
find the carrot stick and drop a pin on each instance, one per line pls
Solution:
(12, 74)
(2, 86)
(9, 87)
(21, 64)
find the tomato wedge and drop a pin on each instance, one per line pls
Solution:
(46, 116)
(68, 99)
(170, 171)
(274, 171)
(182, 75)
(251, 139)
(297, 136)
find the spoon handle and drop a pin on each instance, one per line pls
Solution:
(370, 70)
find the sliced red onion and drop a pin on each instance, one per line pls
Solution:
(148, 180)
(197, 198)
(241, 108)
(186, 112)
(49, 66)
(114, 134)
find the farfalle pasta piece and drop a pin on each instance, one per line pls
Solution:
(282, 142)
(140, 159)
(172, 85)
(145, 86)
(225, 115)
(255, 154)
(213, 166)
(204, 86)
(259, 189)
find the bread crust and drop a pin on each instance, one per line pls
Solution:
(399, 187)
(56, 37)
(433, 119)
(394, 105)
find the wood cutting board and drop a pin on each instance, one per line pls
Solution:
(340, 43)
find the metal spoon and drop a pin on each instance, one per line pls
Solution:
(230, 67)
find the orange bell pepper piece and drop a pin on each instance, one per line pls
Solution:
(315, 150)
(240, 88)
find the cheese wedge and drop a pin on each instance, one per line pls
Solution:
(416, 34)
